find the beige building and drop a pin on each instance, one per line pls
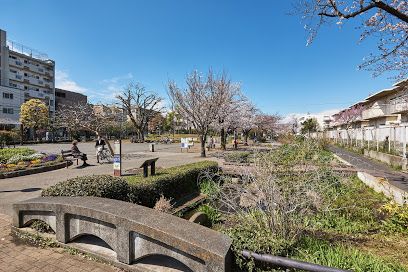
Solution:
(388, 107)
(24, 74)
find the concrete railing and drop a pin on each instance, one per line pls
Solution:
(134, 232)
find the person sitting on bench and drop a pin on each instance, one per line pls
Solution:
(78, 154)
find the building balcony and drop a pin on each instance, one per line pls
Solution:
(376, 112)
(399, 107)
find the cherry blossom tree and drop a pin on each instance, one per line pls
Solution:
(200, 102)
(267, 123)
(88, 117)
(247, 118)
(349, 116)
(386, 21)
(232, 98)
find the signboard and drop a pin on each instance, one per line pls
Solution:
(184, 143)
(117, 162)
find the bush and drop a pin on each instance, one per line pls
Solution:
(172, 183)
(7, 153)
(97, 185)
(163, 205)
(212, 214)
(239, 157)
(8, 137)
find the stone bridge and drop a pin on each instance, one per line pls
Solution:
(133, 232)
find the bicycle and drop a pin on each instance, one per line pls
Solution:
(104, 155)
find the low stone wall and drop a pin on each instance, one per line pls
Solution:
(384, 157)
(36, 170)
(134, 232)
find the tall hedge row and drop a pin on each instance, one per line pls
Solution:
(174, 182)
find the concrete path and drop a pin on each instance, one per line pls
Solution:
(25, 187)
(374, 168)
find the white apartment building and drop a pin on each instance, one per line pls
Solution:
(24, 74)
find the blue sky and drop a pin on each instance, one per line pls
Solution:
(99, 46)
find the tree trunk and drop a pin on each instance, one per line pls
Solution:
(223, 140)
(202, 141)
(34, 134)
(246, 138)
(21, 134)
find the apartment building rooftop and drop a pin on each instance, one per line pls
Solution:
(27, 51)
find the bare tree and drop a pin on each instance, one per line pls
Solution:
(140, 106)
(200, 102)
(386, 20)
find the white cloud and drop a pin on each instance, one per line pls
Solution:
(318, 115)
(110, 88)
(63, 81)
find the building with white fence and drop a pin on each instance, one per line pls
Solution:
(379, 122)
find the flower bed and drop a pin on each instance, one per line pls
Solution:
(18, 159)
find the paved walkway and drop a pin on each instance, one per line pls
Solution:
(17, 256)
(25, 187)
(377, 169)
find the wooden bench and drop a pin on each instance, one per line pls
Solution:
(68, 156)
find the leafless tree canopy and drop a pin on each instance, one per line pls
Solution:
(386, 21)
(140, 106)
(203, 101)
(84, 116)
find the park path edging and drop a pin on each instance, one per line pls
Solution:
(37, 170)
(381, 185)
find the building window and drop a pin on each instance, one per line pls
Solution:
(60, 94)
(8, 95)
(8, 110)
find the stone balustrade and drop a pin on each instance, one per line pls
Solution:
(134, 232)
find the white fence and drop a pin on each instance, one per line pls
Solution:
(391, 139)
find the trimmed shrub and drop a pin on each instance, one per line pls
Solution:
(172, 183)
(97, 185)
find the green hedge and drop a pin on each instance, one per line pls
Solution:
(172, 183)
(97, 185)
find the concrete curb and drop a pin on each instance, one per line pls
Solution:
(37, 170)
(381, 185)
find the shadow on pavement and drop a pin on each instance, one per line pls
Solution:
(26, 190)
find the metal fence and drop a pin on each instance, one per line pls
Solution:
(389, 139)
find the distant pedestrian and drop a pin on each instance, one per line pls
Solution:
(99, 146)
(386, 144)
(212, 144)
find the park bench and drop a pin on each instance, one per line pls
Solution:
(68, 156)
